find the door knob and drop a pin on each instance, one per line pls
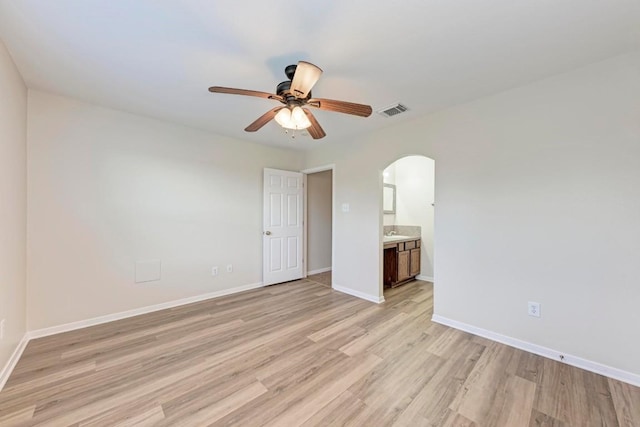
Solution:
(268, 233)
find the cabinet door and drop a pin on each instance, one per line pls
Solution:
(403, 265)
(390, 266)
(415, 262)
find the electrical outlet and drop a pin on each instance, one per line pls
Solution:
(534, 309)
(214, 271)
(229, 268)
(2, 329)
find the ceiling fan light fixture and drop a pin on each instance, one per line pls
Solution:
(294, 119)
(305, 77)
(283, 117)
(298, 117)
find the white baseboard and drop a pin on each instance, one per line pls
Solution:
(13, 360)
(352, 292)
(318, 271)
(38, 333)
(598, 368)
(425, 278)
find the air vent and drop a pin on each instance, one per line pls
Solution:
(393, 110)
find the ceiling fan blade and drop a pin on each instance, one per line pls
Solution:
(263, 120)
(341, 107)
(315, 130)
(234, 91)
(305, 77)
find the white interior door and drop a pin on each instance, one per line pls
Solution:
(282, 245)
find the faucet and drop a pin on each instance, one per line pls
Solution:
(391, 233)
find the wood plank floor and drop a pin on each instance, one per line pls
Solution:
(301, 354)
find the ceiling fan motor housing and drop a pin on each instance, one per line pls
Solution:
(284, 90)
(290, 70)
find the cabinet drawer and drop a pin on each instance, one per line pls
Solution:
(410, 245)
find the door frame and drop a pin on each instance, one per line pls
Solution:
(305, 172)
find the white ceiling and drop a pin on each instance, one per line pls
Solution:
(158, 57)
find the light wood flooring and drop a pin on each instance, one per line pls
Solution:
(301, 354)
(322, 278)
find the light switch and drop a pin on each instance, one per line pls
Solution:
(345, 207)
(148, 270)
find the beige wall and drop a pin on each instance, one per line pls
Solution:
(536, 200)
(319, 209)
(13, 204)
(107, 188)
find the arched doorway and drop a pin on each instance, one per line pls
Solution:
(408, 186)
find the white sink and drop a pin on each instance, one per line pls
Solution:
(396, 237)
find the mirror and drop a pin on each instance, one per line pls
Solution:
(389, 199)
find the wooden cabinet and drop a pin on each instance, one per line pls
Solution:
(414, 269)
(401, 262)
(404, 267)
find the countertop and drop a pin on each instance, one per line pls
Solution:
(399, 238)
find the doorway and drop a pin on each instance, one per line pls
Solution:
(319, 224)
(408, 211)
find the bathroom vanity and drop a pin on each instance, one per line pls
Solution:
(401, 259)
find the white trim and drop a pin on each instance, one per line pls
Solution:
(13, 360)
(598, 368)
(305, 220)
(362, 295)
(318, 271)
(425, 278)
(323, 168)
(38, 333)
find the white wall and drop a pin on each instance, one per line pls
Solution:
(536, 200)
(319, 220)
(107, 188)
(414, 180)
(13, 204)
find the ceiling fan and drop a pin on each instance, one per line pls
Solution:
(295, 95)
